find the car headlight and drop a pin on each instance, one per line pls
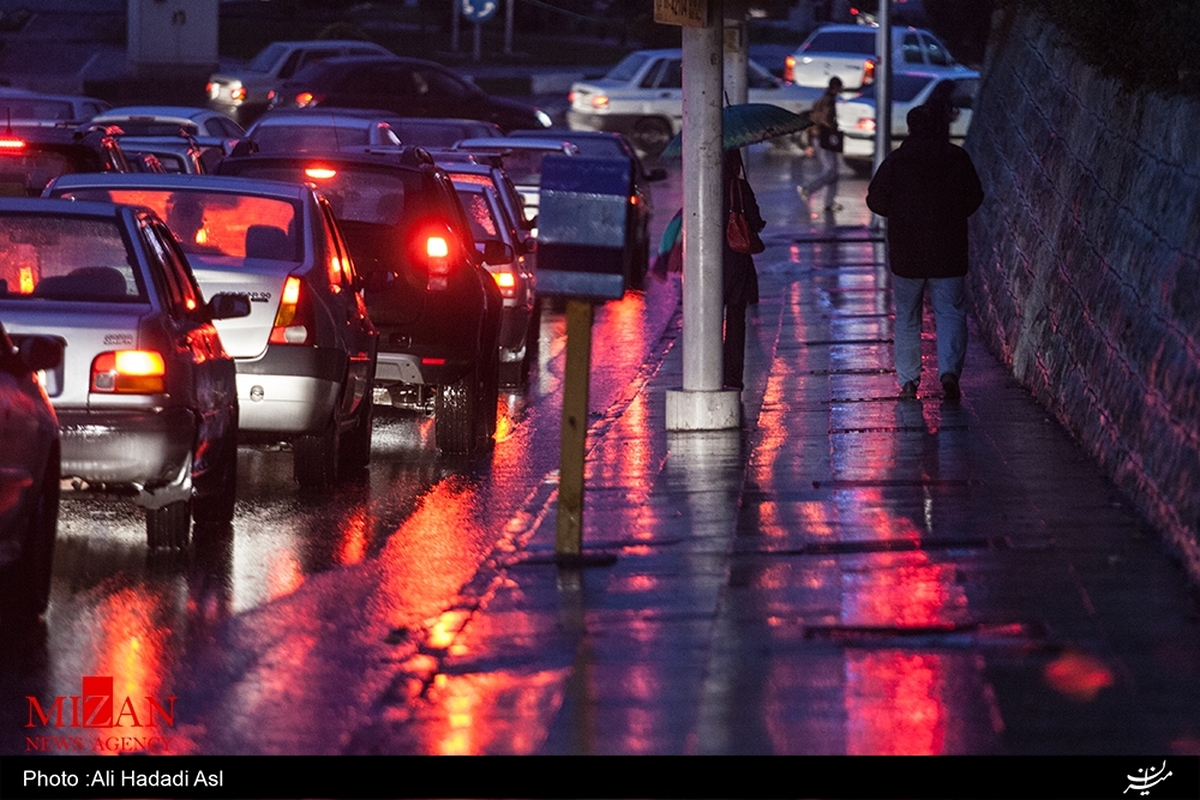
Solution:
(544, 119)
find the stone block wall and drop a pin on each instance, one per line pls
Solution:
(1085, 262)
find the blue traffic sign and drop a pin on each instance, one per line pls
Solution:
(479, 10)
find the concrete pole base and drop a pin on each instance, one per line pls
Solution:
(703, 411)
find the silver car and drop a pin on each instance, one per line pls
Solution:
(146, 395)
(306, 353)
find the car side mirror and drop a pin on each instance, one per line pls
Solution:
(41, 352)
(497, 252)
(228, 305)
(656, 174)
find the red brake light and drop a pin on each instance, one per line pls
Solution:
(305, 99)
(868, 72)
(320, 173)
(789, 68)
(129, 372)
(293, 321)
(865, 124)
(238, 94)
(9, 143)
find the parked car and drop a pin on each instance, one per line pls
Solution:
(856, 116)
(23, 107)
(317, 130)
(31, 156)
(850, 53)
(146, 396)
(305, 355)
(508, 255)
(169, 121)
(610, 144)
(642, 97)
(522, 159)
(410, 87)
(436, 307)
(242, 94)
(29, 474)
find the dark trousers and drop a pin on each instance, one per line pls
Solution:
(734, 349)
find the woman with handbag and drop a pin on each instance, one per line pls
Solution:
(743, 222)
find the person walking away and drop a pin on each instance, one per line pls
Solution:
(927, 188)
(825, 142)
(740, 277)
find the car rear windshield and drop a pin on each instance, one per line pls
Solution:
(267, 58)
(148, 127)
(35, 109)
(524, 166)
(306, 138)
(357, 193)
(26, 171)
(843, 42)
(217, 223)
(55, 257)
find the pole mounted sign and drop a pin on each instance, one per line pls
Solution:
(690, 13)
(478, 10)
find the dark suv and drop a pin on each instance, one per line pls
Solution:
(31, 156)
(410, 87)
(436, 306)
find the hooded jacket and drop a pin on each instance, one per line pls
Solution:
(926, 189)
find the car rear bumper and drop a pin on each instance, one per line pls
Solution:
(146, 448)
(290, 390)
(858, 147)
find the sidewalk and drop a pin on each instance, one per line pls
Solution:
(848, 573)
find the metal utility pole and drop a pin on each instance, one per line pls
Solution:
(703, 403)
(883, 84)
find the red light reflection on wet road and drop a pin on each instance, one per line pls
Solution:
(894, 703)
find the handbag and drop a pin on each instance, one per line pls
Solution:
(738, 233)
(830, 139)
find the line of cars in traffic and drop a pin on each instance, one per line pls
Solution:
(272, 291)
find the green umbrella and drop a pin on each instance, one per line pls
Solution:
(747, 124)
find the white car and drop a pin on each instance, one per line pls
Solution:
(642, 97)
(169, 121)
(242, 93)
(850, 53)
(304, 131)
(856, 116)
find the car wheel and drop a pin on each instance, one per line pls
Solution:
(315, 458)
(25, 585)
(651, 134)
(356, 443)
(168, 527)
(217, 494)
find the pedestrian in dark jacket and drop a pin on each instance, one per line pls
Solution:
(740, 277)
(926, 189)
(824, 142)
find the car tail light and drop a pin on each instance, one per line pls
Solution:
(599, 101)
(507, 281)
(868, 72)
(320, 173)
(571, 97)
(865, 124)
(238, 94)
(306, 99)
(437, 254)
(789, 69)
(11, 144)
(129, 372)
(293, 321)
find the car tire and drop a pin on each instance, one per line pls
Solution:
(25, 585)
(456, 413)
(217, 495)
(315, 458)
(650, 135)
(355, 452)
(168, 527)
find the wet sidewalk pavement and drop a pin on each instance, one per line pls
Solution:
(848, 574)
